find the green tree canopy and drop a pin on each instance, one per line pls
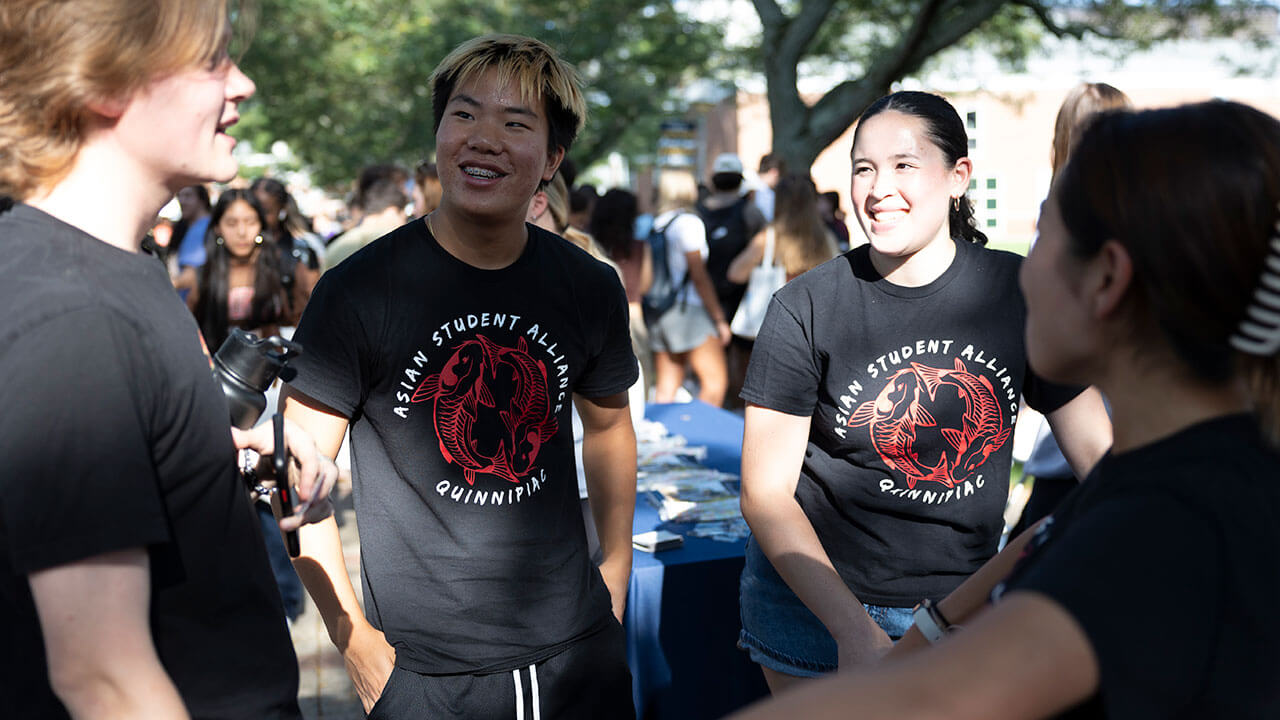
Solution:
(345, 82)
(884, 41)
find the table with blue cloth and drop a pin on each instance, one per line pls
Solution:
(682, 607)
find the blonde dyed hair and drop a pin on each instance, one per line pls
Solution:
(58, 58)
(536, 69)
(677, 190)
(1082, 102)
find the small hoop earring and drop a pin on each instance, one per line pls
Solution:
(257, 240)
(955, 204)
(219, 240)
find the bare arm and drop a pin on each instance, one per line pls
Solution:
(970, 598)
(646, 269)
(94, 615)
(1083, 430)
(323, 569)
(751, 255)
(773, 446)
(707, 291)
(609, 462)
(1034, 661)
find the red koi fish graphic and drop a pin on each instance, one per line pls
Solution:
(463, 390)
(897, 413)
(894, 416)
(529, 421)
(982, 430)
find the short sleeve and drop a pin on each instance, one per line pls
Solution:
(689, 233)
(614, 369)
(1047, 396)
(78, 478)
(331, 335)
(1134, 573)
(783, 374)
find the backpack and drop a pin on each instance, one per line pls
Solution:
(665, 290)
(726, 237)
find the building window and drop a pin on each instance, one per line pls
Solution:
(973, 183)
(991, 222)
(971, 120)
(973, 143)
(991, 183)
(991, 203)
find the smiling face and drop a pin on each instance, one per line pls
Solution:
(240, 229)
(492, 150)
(902, 186)
(176, 126)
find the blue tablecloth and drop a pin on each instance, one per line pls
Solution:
(682, 607)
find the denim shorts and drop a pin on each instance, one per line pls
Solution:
(780, 633)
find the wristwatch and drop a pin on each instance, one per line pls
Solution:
(930, 622)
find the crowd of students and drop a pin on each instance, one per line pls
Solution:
(459, 348)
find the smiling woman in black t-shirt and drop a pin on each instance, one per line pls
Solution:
(1150, 592)
(882, 394)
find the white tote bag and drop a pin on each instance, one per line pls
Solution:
(765, 280)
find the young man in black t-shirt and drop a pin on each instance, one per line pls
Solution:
(453, 348)
(133, 577)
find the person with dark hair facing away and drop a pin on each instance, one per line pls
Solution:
(731, 219)
(384, 203)
(1150, 591)
(454, 348)
(882, 393)
(613, 225)
(133, 581)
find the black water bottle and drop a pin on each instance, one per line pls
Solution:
(245, 367)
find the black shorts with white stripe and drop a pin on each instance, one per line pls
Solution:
(589, 680)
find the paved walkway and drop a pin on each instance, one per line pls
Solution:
(325, 692)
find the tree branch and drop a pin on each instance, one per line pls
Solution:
(1073, 29)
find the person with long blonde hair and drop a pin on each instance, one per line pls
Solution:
(801, 240)
(695, 330)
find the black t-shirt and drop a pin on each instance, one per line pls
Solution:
(913, 394)
(458, 382)
(115, 435)
(1168, 556)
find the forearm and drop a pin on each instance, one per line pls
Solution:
(706, 291)
(788, 539)
(973, 594)
(609, 462)
(124, 689)
(740, 268)
(322, 568)
(1083, 430)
